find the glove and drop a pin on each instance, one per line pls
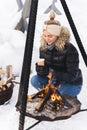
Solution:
(42, 70)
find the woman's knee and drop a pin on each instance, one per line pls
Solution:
(39, 81)
(34, 80)
(71, 90)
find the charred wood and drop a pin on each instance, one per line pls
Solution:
(40, 106)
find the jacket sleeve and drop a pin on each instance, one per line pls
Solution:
(72, 64)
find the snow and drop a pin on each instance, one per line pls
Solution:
(12, 43)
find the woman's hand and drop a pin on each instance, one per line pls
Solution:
(42, 70)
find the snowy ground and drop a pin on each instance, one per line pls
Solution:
(12, 44)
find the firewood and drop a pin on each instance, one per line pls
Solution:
(8, 85)
(3, 72)
(9, 71)
(38, 93)
(2, 87)
(40, 106)
(2, 83)
(9, 80)
(16, 82)
(29, 98)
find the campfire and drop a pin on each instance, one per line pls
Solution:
(50, 95)
(49, 104)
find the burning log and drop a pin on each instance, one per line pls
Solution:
(39, 94)
(56, 105)
(66, 103)
(40, 106)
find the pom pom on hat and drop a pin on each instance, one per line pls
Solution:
(52, 15)
(52, 26)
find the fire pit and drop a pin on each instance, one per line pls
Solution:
(48, 104)
(49, 113)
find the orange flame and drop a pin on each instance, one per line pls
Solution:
(55, 96)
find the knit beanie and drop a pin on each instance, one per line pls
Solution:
(52, 26)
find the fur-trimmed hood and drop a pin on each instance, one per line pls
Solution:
(62, 40)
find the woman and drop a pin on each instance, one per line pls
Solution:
(61, 59)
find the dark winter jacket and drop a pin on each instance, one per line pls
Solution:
(65, 64)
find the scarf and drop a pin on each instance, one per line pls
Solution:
(50, 47)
